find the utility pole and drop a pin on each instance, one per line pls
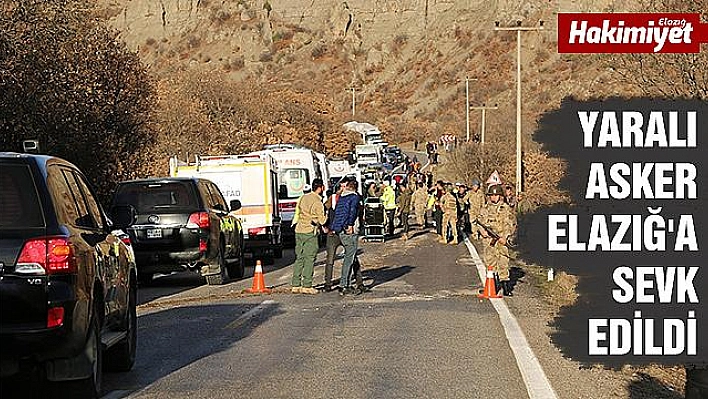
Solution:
(518, 28)
(467, 104)
(484, 109)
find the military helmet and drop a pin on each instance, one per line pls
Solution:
(449, 188)
(496, 189)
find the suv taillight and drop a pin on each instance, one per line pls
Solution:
(46, 255)
(198, 220)
(55, 317)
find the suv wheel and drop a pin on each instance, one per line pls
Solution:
(237, 267)
(121, 357)
(91, 387)
(223, 276)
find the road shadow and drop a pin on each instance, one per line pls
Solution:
(168, 340)
(648, 387)
(385, 274)
(160, 354)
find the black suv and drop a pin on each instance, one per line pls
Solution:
(183, 223)
(67, 284)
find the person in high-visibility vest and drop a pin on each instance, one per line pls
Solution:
(388, 199)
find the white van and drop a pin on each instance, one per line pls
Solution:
(253, 180)
(323, 163)
(296, 167)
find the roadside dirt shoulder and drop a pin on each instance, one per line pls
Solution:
(535, 304)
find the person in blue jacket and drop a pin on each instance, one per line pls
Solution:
(346, 226)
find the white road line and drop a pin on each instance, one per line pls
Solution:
(422, 168)
(537, 384)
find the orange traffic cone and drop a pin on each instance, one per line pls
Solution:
(259, 286)
(490, 289)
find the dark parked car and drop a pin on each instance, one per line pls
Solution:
(67, 284)
(183, 223)
(395, 153)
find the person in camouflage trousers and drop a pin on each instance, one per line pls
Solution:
(475, 200)
(448, 204)
(498, 217)
(420, 204)
(404, 208)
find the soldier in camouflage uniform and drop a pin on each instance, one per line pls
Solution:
(448, 204)
(420, 204)
(498, 216)
(475, 200)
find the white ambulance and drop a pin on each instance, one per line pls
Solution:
(253, 180)
(297, 168)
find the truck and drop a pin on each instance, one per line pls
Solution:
(297, 168)
(370, 134)
(367, 154)
(253, 180)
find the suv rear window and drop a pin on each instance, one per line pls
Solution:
(19, 201)
(157, 197)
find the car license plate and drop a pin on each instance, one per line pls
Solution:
(154, 233)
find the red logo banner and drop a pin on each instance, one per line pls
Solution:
(630, 33)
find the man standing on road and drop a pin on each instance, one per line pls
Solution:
(448, 203)
(345, 225)
(430, 149)
(498, 216)
(475, 199)
(333, 242)
(462, 209)
(311, 217)
(388, 199)
(404, 208)
(438, 192)
(420, 202)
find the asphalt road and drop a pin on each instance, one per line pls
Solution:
(420, 332)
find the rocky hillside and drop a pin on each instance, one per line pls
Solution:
(405, 59)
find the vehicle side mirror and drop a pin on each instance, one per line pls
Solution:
(282, 191)
(123, 216)
(235, 205)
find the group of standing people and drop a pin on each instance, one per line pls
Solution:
(338, 219)
(402, 199)
(489, 217)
